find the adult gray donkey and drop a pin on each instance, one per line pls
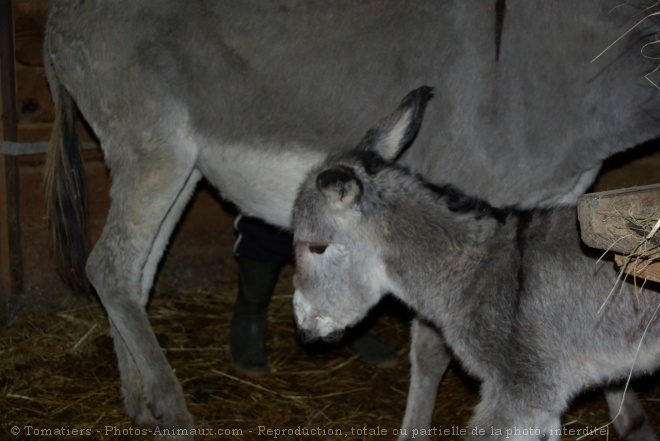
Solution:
(512, 292)
(251, 94)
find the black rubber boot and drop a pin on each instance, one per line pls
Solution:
(247, 333)
(372, 350)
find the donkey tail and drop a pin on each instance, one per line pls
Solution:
(66, 190)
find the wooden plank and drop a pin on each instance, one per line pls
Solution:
(11, 261)
(623, 221)
(33, 101)
(642, 269)
(619, 220)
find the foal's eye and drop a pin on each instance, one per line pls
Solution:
(317, 249)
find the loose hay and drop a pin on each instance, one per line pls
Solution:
(58, 373)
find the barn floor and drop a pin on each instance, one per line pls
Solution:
(58, 372)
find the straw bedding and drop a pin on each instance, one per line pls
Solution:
(59, 378)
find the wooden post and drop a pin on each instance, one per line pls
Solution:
(11, 255)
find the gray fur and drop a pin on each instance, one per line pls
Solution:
(250, 95)
(513, 293)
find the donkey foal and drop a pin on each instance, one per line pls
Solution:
(513, 293)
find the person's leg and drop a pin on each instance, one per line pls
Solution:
(261, 250)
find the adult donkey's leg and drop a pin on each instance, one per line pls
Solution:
(429, 359)
(148, 197)
(132, 388)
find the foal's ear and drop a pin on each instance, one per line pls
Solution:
(392, 135)
(340, 186)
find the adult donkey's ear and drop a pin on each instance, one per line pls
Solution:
(340, 186)
(394, 133)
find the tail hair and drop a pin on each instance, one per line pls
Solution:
(66, 193)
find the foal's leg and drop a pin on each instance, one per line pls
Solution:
(516, 411)
(148, 196)
(428, 362)
(630, 420)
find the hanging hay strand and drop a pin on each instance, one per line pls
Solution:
(649, 13)
(58, 373)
